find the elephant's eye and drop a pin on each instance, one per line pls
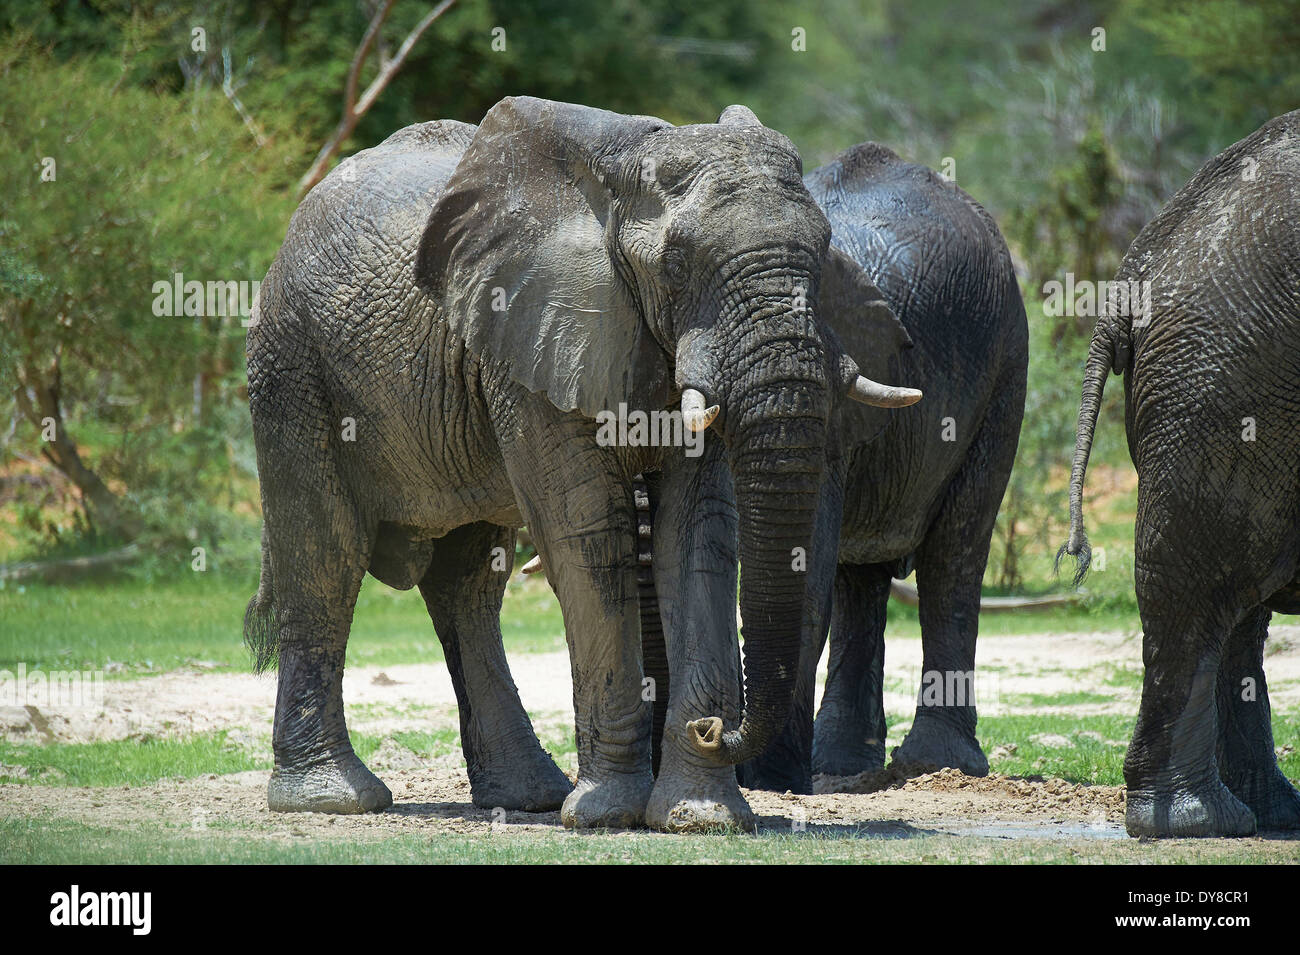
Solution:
(675, 266)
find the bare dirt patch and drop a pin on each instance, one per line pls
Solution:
(432, 794)
(380, 701)
(993, 796)
(1015, 674)
(437, 799)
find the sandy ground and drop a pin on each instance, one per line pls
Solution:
(430, 800)
(434, 795)
(396, 698)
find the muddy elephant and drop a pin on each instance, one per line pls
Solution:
(1203, 322)
(435, 358)
(918, 487)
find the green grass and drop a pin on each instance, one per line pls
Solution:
(1084, 618)
(1085, 760)
(1075, 698)
(61, 842)
(1124, 676)
(134, 627)
(127, 762)
(1091, 760)
(429, 745)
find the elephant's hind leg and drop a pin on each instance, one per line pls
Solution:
(950, 566)
(1170, 768)
(319, 551)
(462, 589)
(1247, 760)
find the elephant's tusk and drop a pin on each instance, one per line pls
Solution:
(882, 396)
(695, 416)
(533, 566)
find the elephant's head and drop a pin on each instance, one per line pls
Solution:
(611, 259)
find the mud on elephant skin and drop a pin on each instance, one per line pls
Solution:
(449, 314)
(1207, 337)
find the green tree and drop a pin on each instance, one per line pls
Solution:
(110, 189)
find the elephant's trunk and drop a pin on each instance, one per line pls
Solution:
(775, 428)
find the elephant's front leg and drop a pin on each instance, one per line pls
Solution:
(578, 505)
(695, 577)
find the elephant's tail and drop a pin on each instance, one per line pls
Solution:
(261, 635)
(1102, 359)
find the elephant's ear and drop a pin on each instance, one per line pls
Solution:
(867, 329)
(518, 251)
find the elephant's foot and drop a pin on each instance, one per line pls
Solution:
(524, 778)
(1271, 797)
(842, 747)
(937, 744)
(338, 785)
(616, 801)
(538, 789)
(1208, 810)
(699, 803)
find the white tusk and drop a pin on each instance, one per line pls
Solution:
(882, 396)
(695, 416)
(533, 566)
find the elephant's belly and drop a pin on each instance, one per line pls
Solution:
(400, 558)
(1286, 600)
(888, 527)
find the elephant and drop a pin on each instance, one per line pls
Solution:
(433, 360)
(1203, 323)
(919, 487)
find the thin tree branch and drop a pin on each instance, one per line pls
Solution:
(390, 69)
(359, 58)
(228, 87)
(355, 107)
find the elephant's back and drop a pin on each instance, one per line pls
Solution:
(371, 210)
(1244, 197)
(932, 250)
(1216, 272)
(1216, 341)
(344, 276)
(941, 263)
(341, 300)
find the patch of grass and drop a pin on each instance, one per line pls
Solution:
(125, 762)
(1129, 677)
(1089, 757)
(133, 627)
(61, 842)
(557, 738)
(1097, 745)
(902, 620)
(437, 743)
(1074, 698)
(427, 745)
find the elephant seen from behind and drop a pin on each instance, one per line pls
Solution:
(1203, 322)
